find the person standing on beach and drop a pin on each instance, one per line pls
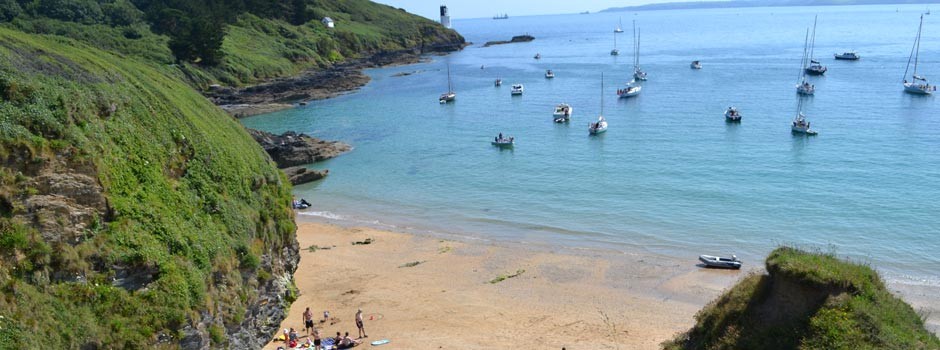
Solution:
(308, 320)
(362, 329)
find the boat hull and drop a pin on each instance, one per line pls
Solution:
(502, 144)
(917, 89)
(819, 71)
(847, 58)
(802, 131)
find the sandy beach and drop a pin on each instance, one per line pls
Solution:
(575, 299)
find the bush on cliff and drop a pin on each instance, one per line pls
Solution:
(808, 300)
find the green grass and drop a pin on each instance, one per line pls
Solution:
(190, 193)
(809, 300)
(503, 277)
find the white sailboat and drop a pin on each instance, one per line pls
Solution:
(803, 87)
(918, 84)
(450, 95)
(600, 125)
(638, 73)
(619, 25)
(631, 90)
(800, 125)
(814, 67)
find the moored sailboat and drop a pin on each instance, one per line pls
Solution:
(450, 95)
(638, 73)
(918, 84)
(814, 67)
(600, 126)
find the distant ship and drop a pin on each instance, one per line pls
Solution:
(584, 13)
(503, 16)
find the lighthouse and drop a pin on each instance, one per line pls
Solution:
(445, 18)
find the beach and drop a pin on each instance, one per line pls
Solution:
(576, 299)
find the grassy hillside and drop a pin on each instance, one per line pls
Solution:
(808, 301)
(237, 42)
(131, 208)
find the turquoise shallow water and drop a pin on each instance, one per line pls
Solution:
(670, 176)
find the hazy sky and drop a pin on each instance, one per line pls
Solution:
(488, 8)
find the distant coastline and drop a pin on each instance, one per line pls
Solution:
(689, 5)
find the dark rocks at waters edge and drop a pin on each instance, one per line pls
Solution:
(516, 39)
(301, 175)
(291, 150)
(313, 84)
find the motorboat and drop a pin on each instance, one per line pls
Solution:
(720, 262)
(563, 112)
(598, 127)
(503, 142)
(450, 95)
(696, 65)
(918, 84)
(517, 89)
(538, 56)
(733, 115)
(549, 74)
(848, 55)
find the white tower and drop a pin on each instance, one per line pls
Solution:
(445, 18)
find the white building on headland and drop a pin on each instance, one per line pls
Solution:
(328, 22)
(445, 17)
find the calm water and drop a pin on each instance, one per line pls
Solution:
(670, 176)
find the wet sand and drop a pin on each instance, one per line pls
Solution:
(577, 299)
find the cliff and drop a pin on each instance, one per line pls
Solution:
(133, 212)
(808, 301)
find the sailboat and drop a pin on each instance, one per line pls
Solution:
(619, 25)
(600, 125)
(803, 87)
(800, 125)
(615, 51)
(638, 73)
(631, 90)
(450, 95)
(918, 84)
(814, 68)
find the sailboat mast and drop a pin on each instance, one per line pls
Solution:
(634, 45)
(602, 94)
(803, 60)
(638, 48)
(917, 43)
(450, 87)
(812, 45)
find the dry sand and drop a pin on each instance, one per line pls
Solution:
(579, 299)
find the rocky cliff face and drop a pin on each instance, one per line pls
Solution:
(292, 149)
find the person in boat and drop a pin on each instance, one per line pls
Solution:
(500, 136)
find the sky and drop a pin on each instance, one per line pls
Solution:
(489, 8)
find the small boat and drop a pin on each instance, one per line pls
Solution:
(503, 142)
(549, 74)
(814, 67)
(450, 95)
(563, 113)
(600, 126)
(848, 56)
(502, 16)
(615, 51)
(498, 83)
(696, 65)
(732, 115)
(918, 84)
(517, 89)
(721, 262)
(800, 125)
(632, 90)
(804, 87)
(638, 73)
(619, 26)
(538, 56)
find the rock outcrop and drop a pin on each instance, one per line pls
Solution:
(292, 149)
(516, 39)
(301, 175)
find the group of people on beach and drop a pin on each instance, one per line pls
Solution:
(314, 339)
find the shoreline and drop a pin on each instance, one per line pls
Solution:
(589, 298)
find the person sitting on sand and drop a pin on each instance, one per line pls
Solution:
(292, 335)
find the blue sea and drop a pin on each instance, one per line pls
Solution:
(670, 176)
